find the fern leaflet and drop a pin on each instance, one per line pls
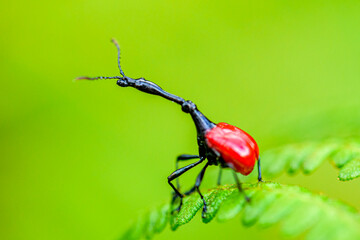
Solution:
(307, 157)
(297, 210)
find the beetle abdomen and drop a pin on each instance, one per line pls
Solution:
(238, 149)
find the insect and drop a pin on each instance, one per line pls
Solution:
(220, 144)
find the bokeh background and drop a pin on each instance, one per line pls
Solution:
(80, 160)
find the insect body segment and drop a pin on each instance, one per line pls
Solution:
(237, 148)
(220, 144)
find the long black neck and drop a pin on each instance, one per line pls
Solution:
(202, 123)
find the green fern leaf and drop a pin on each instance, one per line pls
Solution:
(232, 206)
(214, 201)
(163, 218)
(308, 156)
(296, 210)
(350, 170)
(136, 231)
(259, 203)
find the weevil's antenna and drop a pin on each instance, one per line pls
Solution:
(118, 49)
(96, 78)
(116, 77)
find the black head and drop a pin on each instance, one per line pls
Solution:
(188, 107)
(128, 82)
(122, 82)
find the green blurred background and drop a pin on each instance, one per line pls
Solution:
(80, 160)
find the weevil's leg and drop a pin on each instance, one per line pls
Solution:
(177, 174)
(190, 191)
(219, 176)
(183, 157)
(197, 185)
(259, 171)
(239, 186)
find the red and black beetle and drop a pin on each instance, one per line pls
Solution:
(220, 144)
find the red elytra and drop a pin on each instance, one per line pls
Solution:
(238, 149)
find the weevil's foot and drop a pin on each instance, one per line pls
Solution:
(247, 199)
(204, 211)
(260, 180)
(174, 197)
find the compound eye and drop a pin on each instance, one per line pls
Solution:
(185, 107)
(122, 83)
(188, 106)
